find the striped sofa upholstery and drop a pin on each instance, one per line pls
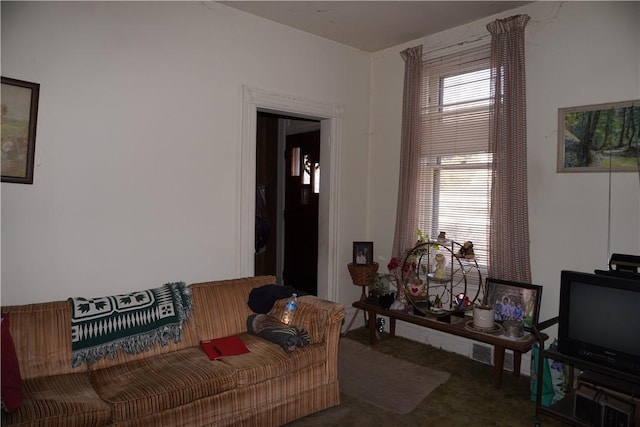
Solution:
(176, 384)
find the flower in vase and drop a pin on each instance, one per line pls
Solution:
(404, 273)
(393, 264)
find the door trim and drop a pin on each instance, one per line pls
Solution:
(330, 116)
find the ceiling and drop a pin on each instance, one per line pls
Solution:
(373, 25)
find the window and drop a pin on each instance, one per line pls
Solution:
(455, 169)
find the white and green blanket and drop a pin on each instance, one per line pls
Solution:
(131, 322)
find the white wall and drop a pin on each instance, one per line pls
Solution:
(139, 135)
(577, 53)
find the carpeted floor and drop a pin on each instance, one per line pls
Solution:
(467, 399)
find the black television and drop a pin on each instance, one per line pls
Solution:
(599, 320)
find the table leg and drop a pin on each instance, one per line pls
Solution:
(498, 365)
(517, 363)
(392, 327)
(352, 320)
(372, 327)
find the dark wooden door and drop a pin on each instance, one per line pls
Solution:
(301, 211)
(266, 195)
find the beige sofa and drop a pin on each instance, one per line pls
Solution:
(176, 384)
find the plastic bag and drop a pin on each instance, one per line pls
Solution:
(554, 378)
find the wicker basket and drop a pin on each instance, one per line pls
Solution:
(361, 274)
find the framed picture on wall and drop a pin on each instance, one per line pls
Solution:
(599, 138)
(514, 301)
(363, 252)
(19, 118)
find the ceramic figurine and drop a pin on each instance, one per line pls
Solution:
(417, 287)
(440, 264)
(466, 251)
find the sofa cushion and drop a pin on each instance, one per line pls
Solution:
(220, 308)
(154, 384)
(60, 400)
(266, 360)
(10, 370)
(47, 352)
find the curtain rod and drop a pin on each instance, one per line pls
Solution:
(462, 43)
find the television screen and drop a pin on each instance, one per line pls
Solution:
(599, 320)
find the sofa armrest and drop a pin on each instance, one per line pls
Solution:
(323, 320)
(319, 317)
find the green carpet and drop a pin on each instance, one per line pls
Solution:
(467, 399)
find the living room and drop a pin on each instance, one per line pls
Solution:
(130, 192)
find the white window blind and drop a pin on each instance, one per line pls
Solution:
(455, 170)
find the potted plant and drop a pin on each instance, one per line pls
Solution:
(380, 288)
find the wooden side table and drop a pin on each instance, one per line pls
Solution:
(499, 343)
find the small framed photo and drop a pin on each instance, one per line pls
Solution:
(514, 301)
(19, 118)
(363, 252)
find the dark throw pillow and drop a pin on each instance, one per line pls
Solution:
(288, 337)
(11, 379)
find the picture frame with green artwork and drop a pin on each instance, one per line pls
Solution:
(19, 119)
(599, 138)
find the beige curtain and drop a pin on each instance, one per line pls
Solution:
(407, 210)
(509, 233)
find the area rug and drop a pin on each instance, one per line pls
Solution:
(387, 382)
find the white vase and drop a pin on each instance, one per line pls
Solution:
(483, 317)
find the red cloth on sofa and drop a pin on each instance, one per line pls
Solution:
(11, 380)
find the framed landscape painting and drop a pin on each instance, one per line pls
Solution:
(599, 138)
(19, 118)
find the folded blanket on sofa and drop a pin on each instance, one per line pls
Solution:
(288, 337)
(131, 322)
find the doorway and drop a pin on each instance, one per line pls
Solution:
(287, 200)
(330, 266)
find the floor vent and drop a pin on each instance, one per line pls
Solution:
(508, 361)
(482, 354)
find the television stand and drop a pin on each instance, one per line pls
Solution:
(615, 385)
(597, 396)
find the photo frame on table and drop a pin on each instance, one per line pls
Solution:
(514, 301)
(363, 253)
(19, 120)
(599, 138)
